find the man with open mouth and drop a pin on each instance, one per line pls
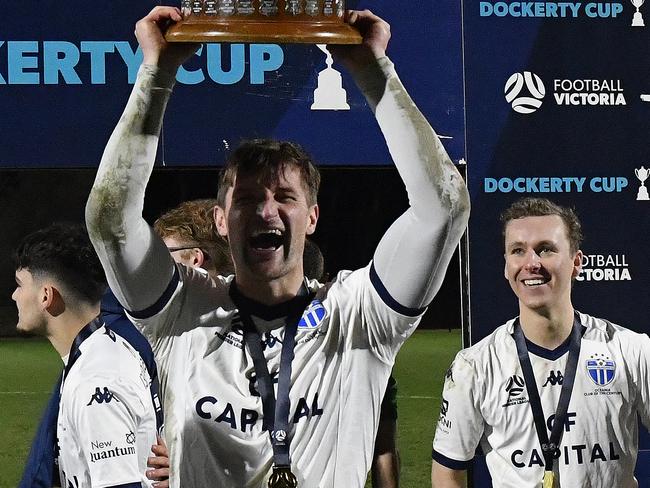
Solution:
(266, 377)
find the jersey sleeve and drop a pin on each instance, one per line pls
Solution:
(369, 317)
(138, 266)
(105, 414)
(411, 259)
(460, 423)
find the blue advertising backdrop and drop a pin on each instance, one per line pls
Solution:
(557, 106)
(65, 74)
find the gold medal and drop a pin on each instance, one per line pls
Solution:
(549, 479)
(282, 477)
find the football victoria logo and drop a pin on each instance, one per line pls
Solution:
(524, 92)
(515, 386)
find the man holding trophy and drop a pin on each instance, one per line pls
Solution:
(269, 379)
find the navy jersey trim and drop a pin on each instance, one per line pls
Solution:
(270, 312)
(388, 299)
(552, 354)
(448, 462)
(161, 302)
(128, 485)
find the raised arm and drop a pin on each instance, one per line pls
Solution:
(413, 255)
(137, 263)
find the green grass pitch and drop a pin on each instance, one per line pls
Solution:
(29, 368)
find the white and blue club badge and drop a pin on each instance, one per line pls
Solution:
(313, 316)
(601, 369)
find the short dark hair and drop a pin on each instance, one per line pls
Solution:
(269, 158)
(192, 223)
(63, 252)
(540, 207)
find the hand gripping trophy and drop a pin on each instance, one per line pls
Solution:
(637, 20)
(642, 174)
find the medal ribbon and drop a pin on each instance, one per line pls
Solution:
(83, 334)
(549, 446)
(75, 352)
(276, 412)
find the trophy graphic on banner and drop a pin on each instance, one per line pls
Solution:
(329, 94)
(642, 174)
(637, 20)
(258, 21)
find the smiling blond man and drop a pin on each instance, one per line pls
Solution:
(552, 396)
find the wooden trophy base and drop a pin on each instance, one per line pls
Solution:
(201, 29)
(257, 21)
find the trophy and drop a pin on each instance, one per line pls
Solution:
(258, 21)
(637, 20)
(642, 174)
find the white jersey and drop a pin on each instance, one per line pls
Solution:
(485, 401)
(107, 423)
(346, 344)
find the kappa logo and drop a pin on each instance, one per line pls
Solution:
(313, 316)
(601, 369)
(554, 378)
(524, 102)
(515, 386)
(105, 396)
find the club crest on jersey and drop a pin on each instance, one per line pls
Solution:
(313, 316)
(601, 369)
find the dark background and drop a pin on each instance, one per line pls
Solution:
(357, 205)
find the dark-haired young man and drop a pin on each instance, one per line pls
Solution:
(221, 345)
(553, 395)
(106, 417)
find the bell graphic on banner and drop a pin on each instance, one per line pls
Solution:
(637, 20)
(329, 94)
(259, 21)
(642, 174)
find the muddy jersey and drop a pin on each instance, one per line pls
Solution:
(346, 343)
(485, 402)
(106, 422)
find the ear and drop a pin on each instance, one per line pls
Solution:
(314, 212)
(220, 221)
(198, 258)
(51, 300)
(577, 264)
(505, 267)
